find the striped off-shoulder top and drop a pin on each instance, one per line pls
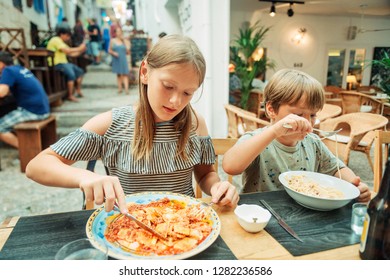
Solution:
(164, 171)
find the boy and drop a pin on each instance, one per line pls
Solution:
(291, 97)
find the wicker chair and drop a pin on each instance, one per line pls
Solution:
(334, 98)
(329, 111)
(357, 134)
(353, 101)
(235, 129)
(368, 88)
(381, 152)
(250, 122)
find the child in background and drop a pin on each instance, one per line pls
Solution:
(291, 97)
(155, 145)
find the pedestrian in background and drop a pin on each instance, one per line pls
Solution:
(95, 38)
(119, 49)
(78, 33)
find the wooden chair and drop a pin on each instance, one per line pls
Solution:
(33, 137)
(333, 98)
(255, 103)
(234, 127)
(353, 101)
(368, 88)
(381, 153)
(357, 134)
(250, 122)
(221, 146)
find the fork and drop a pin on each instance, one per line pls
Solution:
(205, 206)
(323, 133)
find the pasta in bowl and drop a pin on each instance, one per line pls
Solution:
(318, 191)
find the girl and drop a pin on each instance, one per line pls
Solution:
(119, 49)
(291, 97)
(153, 146)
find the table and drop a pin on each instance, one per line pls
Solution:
(244, 246)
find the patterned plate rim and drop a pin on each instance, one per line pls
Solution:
(97, 238)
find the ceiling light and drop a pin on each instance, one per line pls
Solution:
(272, 11)
(290, 11)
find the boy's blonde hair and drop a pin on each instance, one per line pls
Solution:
(171, 49)
(289, 86)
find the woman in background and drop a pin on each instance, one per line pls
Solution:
(119, 49)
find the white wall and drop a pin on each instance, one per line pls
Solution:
(322, 33)
(13, 18)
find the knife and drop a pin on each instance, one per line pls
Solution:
(281, 221)
(141, 224)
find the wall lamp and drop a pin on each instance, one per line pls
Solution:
(290, 11)
(298, 37)
(272, 11)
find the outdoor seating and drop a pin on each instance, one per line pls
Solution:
(358, 132)
(381, 154)
(33, 137)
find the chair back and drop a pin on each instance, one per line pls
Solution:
(357, 134)
(234, 125)
(353, 101)
(329, 111)
(255, 102)
(381, 153)
(221, 146)
(249, 122)
(369, 88)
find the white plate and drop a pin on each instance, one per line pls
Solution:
(96, 227)
(317, 203)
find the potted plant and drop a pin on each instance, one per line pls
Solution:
(247, 55)
(383, 67)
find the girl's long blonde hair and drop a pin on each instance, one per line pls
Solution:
(171, 49)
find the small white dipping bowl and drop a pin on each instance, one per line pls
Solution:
(252, 217)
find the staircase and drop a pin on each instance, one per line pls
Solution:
(100, 95)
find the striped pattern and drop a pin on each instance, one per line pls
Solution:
(162, 172)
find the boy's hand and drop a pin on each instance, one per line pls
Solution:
(365, 193)
(298, 125)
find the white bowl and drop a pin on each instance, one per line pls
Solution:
(318, 203)
(252, 217)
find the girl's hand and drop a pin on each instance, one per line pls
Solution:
(104, 189)
(365, 193)
(298, 125)
(224, 194)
